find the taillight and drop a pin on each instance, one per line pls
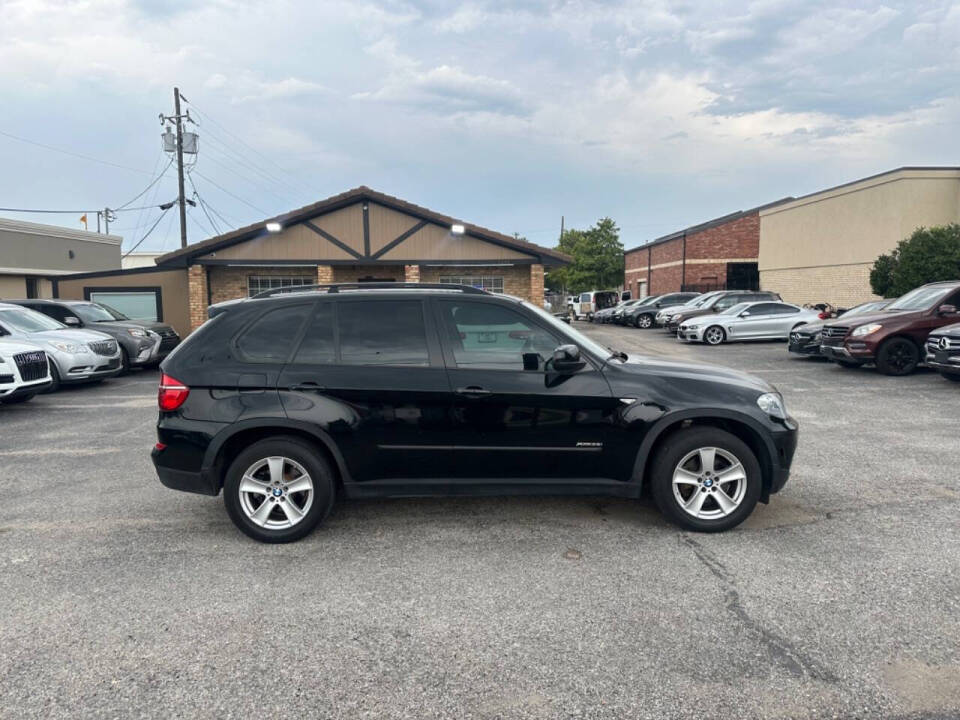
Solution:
(172, 393)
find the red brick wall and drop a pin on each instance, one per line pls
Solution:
(737, 240)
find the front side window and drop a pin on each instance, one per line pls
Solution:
(490, 283)
(382, 332)
(585, 297)
(484, 335)
(261, 283)
(727, 302)
(271, 336)
(91, 313)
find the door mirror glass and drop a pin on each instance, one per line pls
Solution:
(71, 321)
(566, 360)
(745, 313)
(947, 310)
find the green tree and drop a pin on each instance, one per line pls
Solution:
(597, 259)
(928, 255)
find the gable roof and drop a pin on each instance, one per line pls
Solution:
(716, 222)
(546, 256)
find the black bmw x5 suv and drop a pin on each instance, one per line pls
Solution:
(288, 399)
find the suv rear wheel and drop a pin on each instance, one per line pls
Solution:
(898, 356)
(278, 490)
(705, 479)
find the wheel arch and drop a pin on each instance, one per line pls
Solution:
(228, 444)
(740, 425)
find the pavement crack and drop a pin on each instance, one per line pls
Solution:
(794, 660)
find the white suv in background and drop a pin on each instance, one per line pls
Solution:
(24, 371)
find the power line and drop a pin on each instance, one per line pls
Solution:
(51, 212)
(236, 197)
(240, 140)
(152, 227)
(152, 183)
(73, 154)
(240, 160)
(249, 180)
(203, 206)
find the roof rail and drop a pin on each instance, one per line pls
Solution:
(337, 287)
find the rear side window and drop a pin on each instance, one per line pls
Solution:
(271, 337)
(318, 342)
(382, 332)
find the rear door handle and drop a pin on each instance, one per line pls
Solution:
(473, 391)
(307, 386)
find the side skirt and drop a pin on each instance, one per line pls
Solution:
(491, 487)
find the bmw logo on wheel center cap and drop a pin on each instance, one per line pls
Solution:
(277, 492)
(708, 482)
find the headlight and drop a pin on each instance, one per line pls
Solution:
(67, 347)
(772, 405)
(866, 330)
(693, 327)
(816, 337)
(137, 332)
(675, 317)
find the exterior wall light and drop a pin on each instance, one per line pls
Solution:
(457, 229)
(274, 227)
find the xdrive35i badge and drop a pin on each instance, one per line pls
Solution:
(589, 445)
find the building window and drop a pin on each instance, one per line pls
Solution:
(261, 283)
(142, 304)
(488, 283)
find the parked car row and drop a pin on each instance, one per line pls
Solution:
(921, 326)
(896, 335)
(48, 343)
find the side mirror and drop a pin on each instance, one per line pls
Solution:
(947, 310)
(72, 321)
(745, 313)
(566, 360)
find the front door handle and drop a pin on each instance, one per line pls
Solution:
(473, 391)
(307, 386)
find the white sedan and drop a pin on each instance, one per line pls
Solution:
(765, 320)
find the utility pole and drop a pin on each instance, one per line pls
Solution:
(182, 199)
(169, 141)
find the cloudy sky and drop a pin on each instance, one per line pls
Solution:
(504, 113)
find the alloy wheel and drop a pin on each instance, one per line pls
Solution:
(709, 483)
(644, 321)
(713, 336)
(276, 493)
(902, 357)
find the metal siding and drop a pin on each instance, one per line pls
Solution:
(387, 224)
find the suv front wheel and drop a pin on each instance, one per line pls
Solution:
(705, 479)
(278, 490)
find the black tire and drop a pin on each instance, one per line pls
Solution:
(712, 338)
(590, 317)
(678, 446)
(952, 377)
(324, 488)
(124, 361)
(16, 400)
(644, 321)
(54, 378)
(898, 356)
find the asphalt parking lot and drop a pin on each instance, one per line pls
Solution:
(839, 599)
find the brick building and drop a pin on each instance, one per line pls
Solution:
(716, 254)
(360, 235)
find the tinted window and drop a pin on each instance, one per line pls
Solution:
(491, 336)
(727, 302)
(318, 343)
(57, 312)
(270, 339)
(382, 332)
(771, 309)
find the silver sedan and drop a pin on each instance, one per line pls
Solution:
(747, 321)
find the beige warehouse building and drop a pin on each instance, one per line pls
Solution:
(821, 247)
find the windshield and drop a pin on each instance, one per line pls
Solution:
(28, 321)
(921, 298)
(585, 297)
(568, 331)
(92, 312)
(866, 307)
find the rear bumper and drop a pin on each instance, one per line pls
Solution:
(200, 482)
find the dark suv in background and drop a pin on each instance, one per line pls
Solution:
(894, 337)
(643, 314)
(718, 303)
(943, 351)
(381, 390)
(142, 343)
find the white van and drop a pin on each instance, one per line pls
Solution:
(586, 304)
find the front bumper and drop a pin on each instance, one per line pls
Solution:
(24, 389)
(848, 350)
(685, 334)
(84, 367)
(945, 360)
(784, 445)
(803, 345)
